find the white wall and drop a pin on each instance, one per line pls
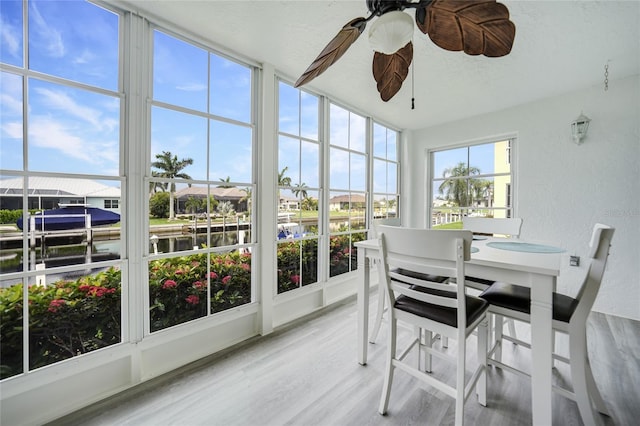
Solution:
(563, 189)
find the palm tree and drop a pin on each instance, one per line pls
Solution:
(300, 189)
(193, 204)
(225, 209)
(248, 191)
(282, 179)
(170, 168)
(227, 180)
(156, 186)
(455, 187)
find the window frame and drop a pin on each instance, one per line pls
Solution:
(510, 192)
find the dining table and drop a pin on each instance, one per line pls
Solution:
(515, 261)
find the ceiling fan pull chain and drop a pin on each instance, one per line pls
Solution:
(606, 77)
(413, 99)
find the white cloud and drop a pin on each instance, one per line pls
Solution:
(53, 37)
(61, 101)
(10, 38)
(46, 132)
(192, 87)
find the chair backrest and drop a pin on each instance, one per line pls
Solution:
(389, 221)
(491, 225)
(426, 252)
(598, 253)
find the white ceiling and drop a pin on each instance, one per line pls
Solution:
(559, 46)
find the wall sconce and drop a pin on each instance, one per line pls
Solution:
(579, 128)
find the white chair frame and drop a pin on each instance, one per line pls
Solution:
(585, 391)
(440, 253)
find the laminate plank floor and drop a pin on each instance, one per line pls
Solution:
(306, 373)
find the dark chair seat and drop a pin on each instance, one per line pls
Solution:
(480, 281)
(420, 276)
(474, 305)
(518, 298)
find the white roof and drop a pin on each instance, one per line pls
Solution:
(60, 186)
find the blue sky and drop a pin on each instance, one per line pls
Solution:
(73, 130)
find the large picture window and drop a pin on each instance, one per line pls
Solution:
(472, 180)
(61, 252)
(200, 183)
(299, 153)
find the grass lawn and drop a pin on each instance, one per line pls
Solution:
(452, 225)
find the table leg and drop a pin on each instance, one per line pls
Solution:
(542, 288)
(363, 305)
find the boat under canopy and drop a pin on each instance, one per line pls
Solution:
(71, 217)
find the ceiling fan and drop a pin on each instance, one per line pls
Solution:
(480, 27)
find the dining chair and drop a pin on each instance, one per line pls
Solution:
(491, 226)
(381, 306)
(431, 307)
(569, 317)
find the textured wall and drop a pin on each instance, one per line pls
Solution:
(563, 188)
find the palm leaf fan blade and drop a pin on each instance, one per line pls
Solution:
(477, 28)
(390, 71)
(334, 50)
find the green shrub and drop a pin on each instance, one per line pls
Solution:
(159, 204)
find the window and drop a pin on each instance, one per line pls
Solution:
(200, 183)
(386, 191)
(60, 143)
(347, 187)
(299, 153)
(110, 204)
(472, 180)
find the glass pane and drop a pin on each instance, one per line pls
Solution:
(338, 126)
(177, 290)
(12, 320)
(380, 181)
(230, 89)
(384, 206)
(357, 132)
(230, 278)
(361, 236)
(77, 228)
(453, 191)
(482, 193)
(309, 116)
(230, 152)
(392, 146)
(75, 40)
(392, 178)
(449, 163)
(379, 141)
(288, 109)
(179, 72)
(178, 145)
(289, 265)
(11, 44)
(73, 314)
(339, 169)
(482, 159)
(288, 161)
(73, 130)
(11, 123)
(309, 262)
(502, 193)
(310, 170)
(358, 211)
(11, 255)
(358, 178)
(339, 254)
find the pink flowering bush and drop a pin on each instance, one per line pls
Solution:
(66, 318)
(178, 287)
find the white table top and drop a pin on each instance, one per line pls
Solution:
(540, 263)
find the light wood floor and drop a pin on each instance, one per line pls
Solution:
(306, 374)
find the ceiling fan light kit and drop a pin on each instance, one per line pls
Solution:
(479, 27)
(391, 32)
